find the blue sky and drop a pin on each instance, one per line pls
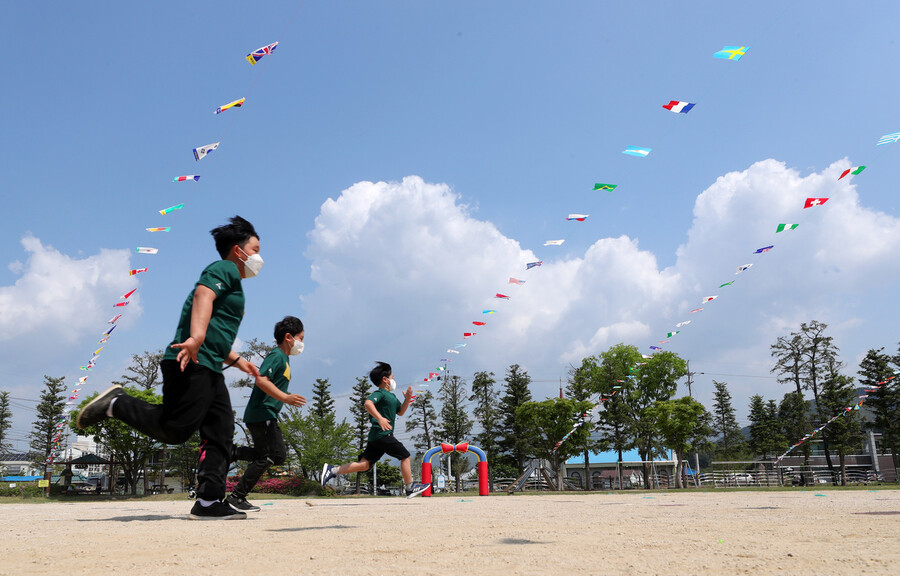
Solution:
(486, 124)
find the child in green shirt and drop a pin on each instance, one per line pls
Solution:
(383, 408)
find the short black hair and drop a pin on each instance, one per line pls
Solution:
(379, 372)
(287, 325)
(235, 233)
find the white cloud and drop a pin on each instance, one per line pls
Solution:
(403, 269)
(61, 297)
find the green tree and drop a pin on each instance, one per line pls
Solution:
(793, 413)
(485, 413)
(542, 424)
(514, 441)
(361, 421)
(316, 440)
(730, 444)
(322, 402)
(582, 382)
(456, 426)
(255, 351)
(423, 417)
(883, 400)
(681, 423)
(388, 475)
(127, 447)
(5, 421)
(143, 372)
(185, 458)
(766, 436)
(49, 413)
(655, 380)
(845, 433)
(615, 383)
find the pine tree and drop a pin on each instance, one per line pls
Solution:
(793, 413)
(5, 421)
(422, 417)
(845, 433)
(361, 418)
(614, 419)
(254, 351)
(322, 403)
(455, 422)
(485, 412)
(582, 384)
(516, 392)
(144, 371)
(49, 413)
(765, 431)
(731, 441)
(883, 400)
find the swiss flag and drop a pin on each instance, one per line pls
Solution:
(810, 202)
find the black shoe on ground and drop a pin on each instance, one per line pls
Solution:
(216, 511)
(415, 489)
(239, 503)
(95, 411)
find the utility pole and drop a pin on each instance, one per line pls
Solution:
(560, 388)
(690, 379)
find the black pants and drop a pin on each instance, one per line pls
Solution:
(268, 450)
(196, 399)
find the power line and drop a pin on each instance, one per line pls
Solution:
(738, 375)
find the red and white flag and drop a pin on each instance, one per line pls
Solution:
(810, 202)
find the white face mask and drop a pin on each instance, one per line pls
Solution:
(252, 265)
(297, 348)
(392, 385)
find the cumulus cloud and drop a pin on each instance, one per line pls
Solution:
(61, 296)
(403, 268)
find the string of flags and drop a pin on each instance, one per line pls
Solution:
(199, 153)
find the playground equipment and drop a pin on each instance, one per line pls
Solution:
(462, 448)
(538, 465)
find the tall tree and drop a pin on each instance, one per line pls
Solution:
(5, 421)
(485, 413)
(582, 382)
(845, 433)
(516, 392)
(731, 440)
(884, 400)
(423, 417)
(793, 413)
(127, 448)
(654, 381)
(456, 426)
(49, 413)
(614, 420)
(322, 402)
(186, 459)
(766, 436)
(316, 440)
(544, 423)
(143, 372)
(361, 421)
(682, 423)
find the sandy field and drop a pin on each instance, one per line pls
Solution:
(728, 532)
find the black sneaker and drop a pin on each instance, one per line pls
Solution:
(415, 489)
(95, 411)
(216, 511)
(328, 472)
(241, 503)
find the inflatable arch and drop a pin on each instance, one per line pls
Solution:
(462, 449)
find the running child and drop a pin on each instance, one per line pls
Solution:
(383, 408)
(261, 414)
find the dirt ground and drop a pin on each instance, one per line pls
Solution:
(728, 532)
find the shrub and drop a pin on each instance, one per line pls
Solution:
(22, 490)
(289, 485)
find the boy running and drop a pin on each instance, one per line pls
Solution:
(261, 414)
(383, 408)
(194, 393)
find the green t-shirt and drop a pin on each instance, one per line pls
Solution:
(223, 278)
(261, 407)
(387, 405)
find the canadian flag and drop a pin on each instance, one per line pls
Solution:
(810, 202)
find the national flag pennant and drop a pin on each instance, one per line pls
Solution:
(460, 345)
(516, 281)
(146, 250)
(600, 186)
(165, 229)
(114, 319)
(783, 227)
(731, 52)
(764, 249)
(852, 171)
(255, 56)
(696, 310)
(127, 295)
(488, 311)
(445, 360)
(136, 271)
(203, 151)
(888, 139)
(469, 334)
(637, 151)
(655, 348)
(501, 296)
(165, 211)
(679, 107)
(742, 268)
(810, 202)
(578, 217)
(452, 351)
(726, 284)
(120, 304)
(478, 324)
(531, 265)
(663, 341)
(233, 104)
(188, 178)
(554, 242)
(670, 334)
(709, 299)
